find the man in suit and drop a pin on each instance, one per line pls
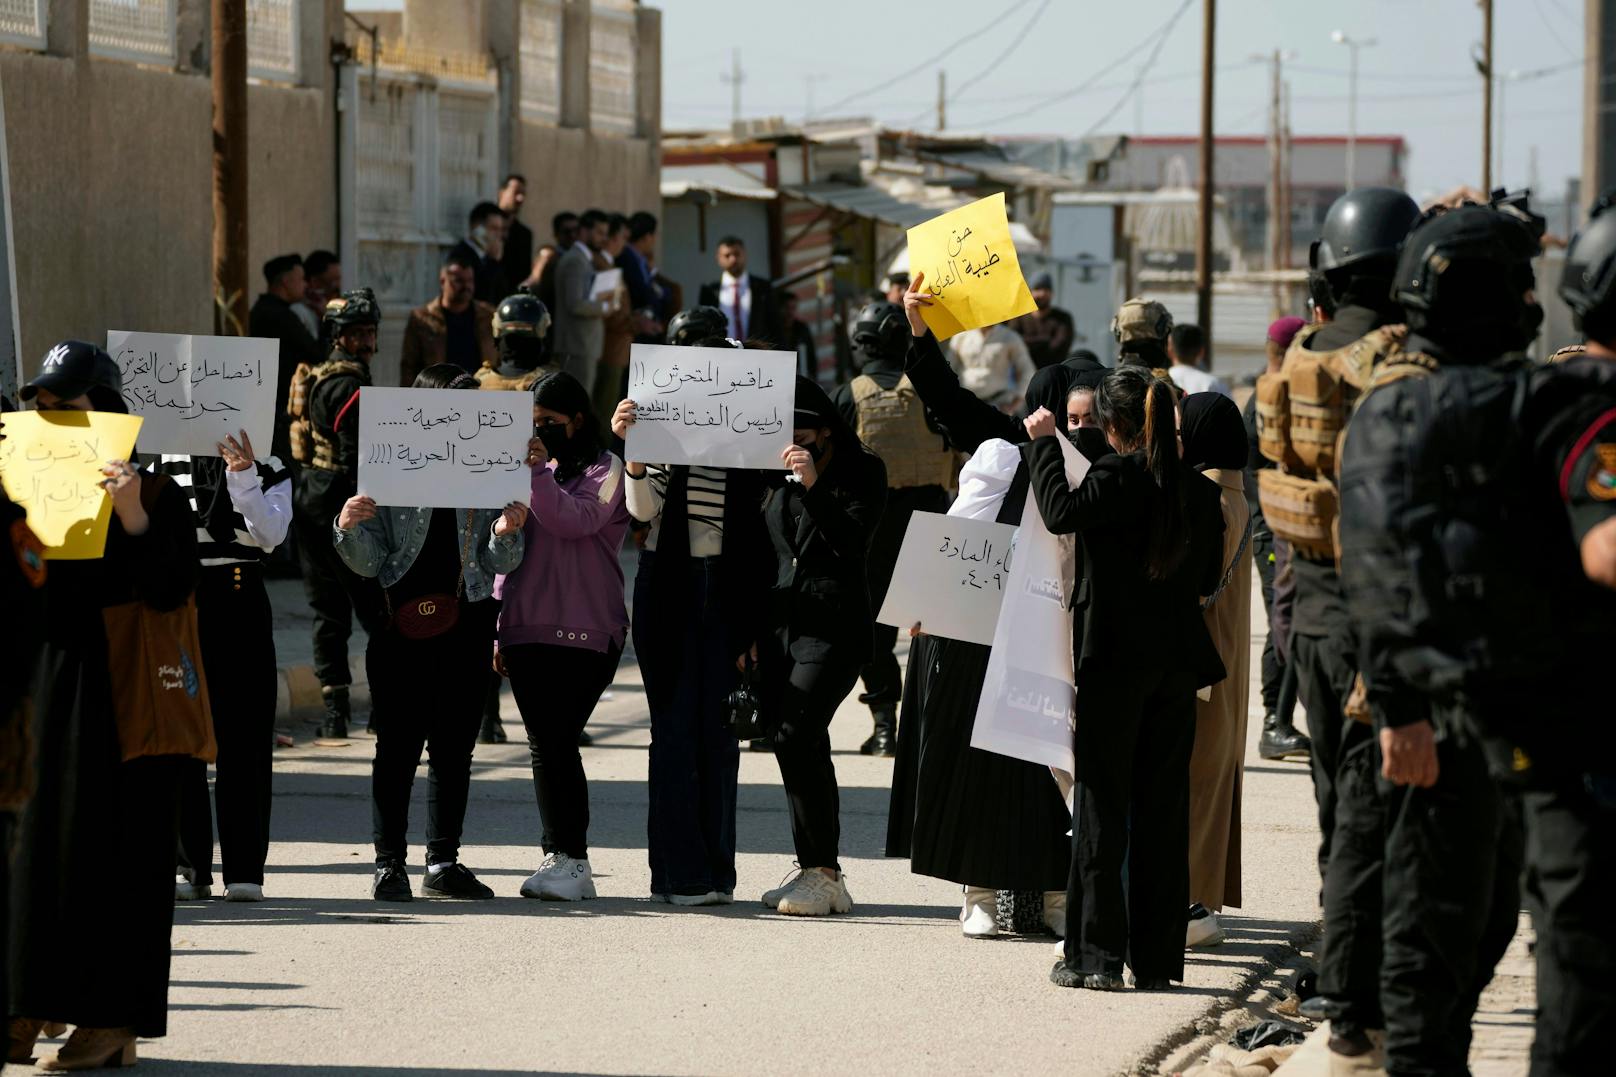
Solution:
(453, 328)
(579, 328)
(747, 302)
(517, 261)
(483, 248)
(273, 315)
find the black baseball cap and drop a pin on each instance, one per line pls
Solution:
(71, 369)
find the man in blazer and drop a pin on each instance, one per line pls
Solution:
(453, 328)
(580, 333)
(747, 301)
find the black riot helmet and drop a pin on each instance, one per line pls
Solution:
(75, 368)
(1464, 278)
(357, 307)
(698, 323)
(1363, 231)
(1588, 284)
(879, 330)
(522, 315)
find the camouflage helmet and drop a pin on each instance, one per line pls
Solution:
(1141, 319)
(521, 315)
(357, 307)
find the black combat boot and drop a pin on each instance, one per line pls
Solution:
(335, 726)
(1282, 740)
(493, 730)
(884, 740)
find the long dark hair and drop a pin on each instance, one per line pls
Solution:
(561, 392)
(444, 376)
(1135, 409)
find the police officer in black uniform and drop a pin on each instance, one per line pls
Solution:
(1456, 637)
(883, 408)
(325, 441)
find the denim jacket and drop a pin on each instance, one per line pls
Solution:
(387, 544)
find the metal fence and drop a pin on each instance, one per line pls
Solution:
(540, 45)
(613, 55)
(272, 39)
(140, 30)
(22, 22)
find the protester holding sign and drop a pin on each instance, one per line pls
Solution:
(705, 561)
(820, 518)
(1144, 652)
(101, 817)
(562, 622)
(437, 569)
(243, 510)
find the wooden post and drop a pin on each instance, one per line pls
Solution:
(230, 167)
(1203, 245)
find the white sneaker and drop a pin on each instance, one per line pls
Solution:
(1055, 911)
(771, 898)
(561, 878)
(817, 894)
(243, 892)
(978, 916)
(1204, 929)
(186, 890)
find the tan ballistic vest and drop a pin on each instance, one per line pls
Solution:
(489, 377)
(892, 422)
(311, 447)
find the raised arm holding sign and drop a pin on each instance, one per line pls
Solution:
(718, 407)
(971, 271)
(444, 448)
(195, 391)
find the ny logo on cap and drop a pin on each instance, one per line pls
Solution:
(57, 354)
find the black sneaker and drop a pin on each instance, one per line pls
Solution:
(392, 883)
(453, 880)
(492, 731)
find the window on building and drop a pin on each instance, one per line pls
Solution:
(139, 30)
(272, 39)
(613, 71)
(22, 22)
(541, 61)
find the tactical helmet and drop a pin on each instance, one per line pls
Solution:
(1588, 284)
(1363, 225)
(697, 323)
(1466, 272)
(357, 307)
(521, 315)
(1141, 319)
(880, 329)
(72, 369)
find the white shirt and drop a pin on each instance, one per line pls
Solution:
(1192, 379)
(993, 363)
(704, 506)
(735, 292)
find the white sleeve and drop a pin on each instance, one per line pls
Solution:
(268, 512)
(643, 493)
(984, 480)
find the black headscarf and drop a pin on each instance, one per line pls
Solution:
(1213, 432)
(1048, 388)
(814, 409)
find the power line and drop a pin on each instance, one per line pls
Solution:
(1161, 40)
(1005, 55)
(1543, 14)
(930, 60)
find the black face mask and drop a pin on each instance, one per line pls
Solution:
(815, 450)
(1090, 441)
(554, 436)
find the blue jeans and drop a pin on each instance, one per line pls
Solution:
(682, 643)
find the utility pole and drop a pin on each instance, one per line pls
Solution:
(1486, 96)
(1275, 153)
(942, 100)
(1203, 241)
(1353, 45)
(1285, 179)
(735, 77)
(229, 167)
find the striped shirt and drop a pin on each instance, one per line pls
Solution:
(260, 510)
(704, 501)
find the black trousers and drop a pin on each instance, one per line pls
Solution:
(1324, 675)
(556, 690)
(807, 695)
(1273, 666)
(883, 681)
(238, 657)
(1572, 860)
(432, 693)
(1349, 965)
(336, 595)
(1135, 732)
(1452, 897)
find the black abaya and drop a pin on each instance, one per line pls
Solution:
(92, 887)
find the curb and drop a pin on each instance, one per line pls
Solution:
(297, 691)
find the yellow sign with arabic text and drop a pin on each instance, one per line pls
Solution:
(51, 464)
(972, 273)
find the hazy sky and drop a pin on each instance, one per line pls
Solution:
(1417, 81)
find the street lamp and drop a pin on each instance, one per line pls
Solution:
(1340, 38)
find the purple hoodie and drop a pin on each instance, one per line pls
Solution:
(568, 590)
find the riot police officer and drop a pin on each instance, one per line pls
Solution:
(521, 324)
(694, 325)
(883, 407)
(1456, 635)
(324, 408)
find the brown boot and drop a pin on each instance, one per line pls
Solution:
(24, 1032)
(93, 1049)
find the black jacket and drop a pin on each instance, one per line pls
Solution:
(820, 603)
(334, 408)
(517, 261)
(764, 319)
(959, 415)
(1127, 620)
(273, 317)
